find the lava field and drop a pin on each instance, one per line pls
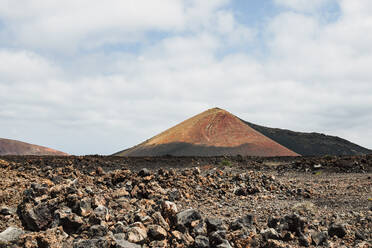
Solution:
(98, 201)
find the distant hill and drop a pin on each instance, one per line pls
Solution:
(14, 147)
(212, 133)
(217, 132)
(311, 144)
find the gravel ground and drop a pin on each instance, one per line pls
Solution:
(58, 202)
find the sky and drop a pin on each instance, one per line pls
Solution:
(97, 77)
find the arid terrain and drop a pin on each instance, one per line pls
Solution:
(15, 147)
(96, 201)
(217, 132)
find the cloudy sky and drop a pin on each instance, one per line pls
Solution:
(96, 77)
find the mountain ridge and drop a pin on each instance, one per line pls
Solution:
(15, 147)
(216, 132)
(311, 143)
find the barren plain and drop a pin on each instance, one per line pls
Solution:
(97, 201)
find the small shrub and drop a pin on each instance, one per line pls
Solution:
(318, 173)
(304, 207)
(328, 157)
(226, 162)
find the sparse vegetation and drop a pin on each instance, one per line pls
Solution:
(318, 173)
(304, 207)
(328, 157)
(226, 162)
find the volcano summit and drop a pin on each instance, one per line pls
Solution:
(217, 132)
(212, 133)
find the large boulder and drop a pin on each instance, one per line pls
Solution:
(338, 230)
(137, 233)
(185, 218)
(157, 232)
(36, 218)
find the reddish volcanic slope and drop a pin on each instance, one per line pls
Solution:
(14, 147)
(211, 133)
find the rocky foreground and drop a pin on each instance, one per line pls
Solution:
(185, 202)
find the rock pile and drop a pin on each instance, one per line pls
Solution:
(198, 207)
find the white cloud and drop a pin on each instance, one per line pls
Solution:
(315, 76)
(330, 62)
(308, 51)
(69, 25)
(25, 66)
(232, 32)
(357, 9)
(303, 5)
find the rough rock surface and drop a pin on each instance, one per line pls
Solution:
(185, 202)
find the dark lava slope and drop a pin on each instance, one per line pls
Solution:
(311, 144)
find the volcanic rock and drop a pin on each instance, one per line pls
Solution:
(217, 132)
(213, 132)
(201, 242)
(304, 240)
(53, 237)
(338, 230)
(10, 235)
(311, 144)
(224, 244)
(102, 213)
(276, 244)
(137, 233)
(214, 224)
(157, 232)
(91, 243)
(122, 243)
(270, 233)
(97, 231)
(70, 221)
(88, 210)
(37, 217)
(4, 210)
(159, 219)
(293, 223)
(319, 238)
(185, 218)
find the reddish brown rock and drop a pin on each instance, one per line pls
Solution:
(14, 147)
(98, 210)
(213, 132)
